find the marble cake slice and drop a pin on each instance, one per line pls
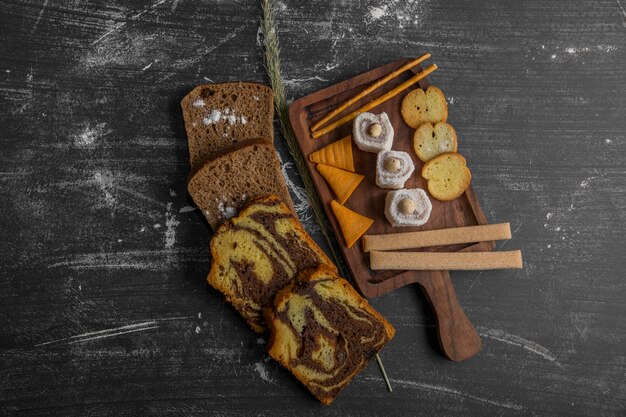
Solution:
(259, 252)
(324, 332)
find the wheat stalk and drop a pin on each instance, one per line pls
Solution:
(272, 66)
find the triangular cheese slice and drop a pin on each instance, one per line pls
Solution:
(338, 154)
(341, 181)
(353, 225)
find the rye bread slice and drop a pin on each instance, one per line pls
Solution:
(219, 115)
(230, 178)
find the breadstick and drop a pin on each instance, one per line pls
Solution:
(372, 104)
(411, 240)
(368, 90)
(436, 261)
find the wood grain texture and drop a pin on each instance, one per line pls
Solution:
(369, 199)
(459, 340)
(97, 233)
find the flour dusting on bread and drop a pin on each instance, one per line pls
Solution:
(226, 115)
(220, 115)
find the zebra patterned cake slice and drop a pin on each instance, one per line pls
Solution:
(324, 332)
(259, 252)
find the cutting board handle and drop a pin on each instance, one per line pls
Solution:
(458, 338)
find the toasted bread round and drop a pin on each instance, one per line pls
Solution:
(420, 107)
(447, 175)
(430, 141)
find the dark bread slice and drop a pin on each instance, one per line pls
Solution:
(219, 115)
(230, 178)
(323, 331)
(259, 252)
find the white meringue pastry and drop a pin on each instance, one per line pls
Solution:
(408, 207)
(372, 133)
(393, 169)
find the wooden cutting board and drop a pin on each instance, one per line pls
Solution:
(457, 336)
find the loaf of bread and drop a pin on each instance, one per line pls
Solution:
(420, 107)
(231, 177)
(219, 115)
(430, 141)
(324, 332)
(259, 252)
(447, 175)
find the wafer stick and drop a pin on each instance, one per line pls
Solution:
(368, 90)
(454, 235)
(372, 104)
(439, 261)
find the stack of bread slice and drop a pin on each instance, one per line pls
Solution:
(230, 134)
(259, 247)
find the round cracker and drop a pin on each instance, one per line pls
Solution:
(427, 137)
(441, 186)
(420, 107)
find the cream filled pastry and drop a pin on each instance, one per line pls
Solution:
(409, 207)
(372, 133)
(393, 168)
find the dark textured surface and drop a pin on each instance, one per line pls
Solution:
(97, 234)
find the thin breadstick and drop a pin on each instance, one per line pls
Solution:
(372, 104)
(368, 90)
(439, 261)
(412, 240)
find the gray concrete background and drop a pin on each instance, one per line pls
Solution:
(103, 303)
